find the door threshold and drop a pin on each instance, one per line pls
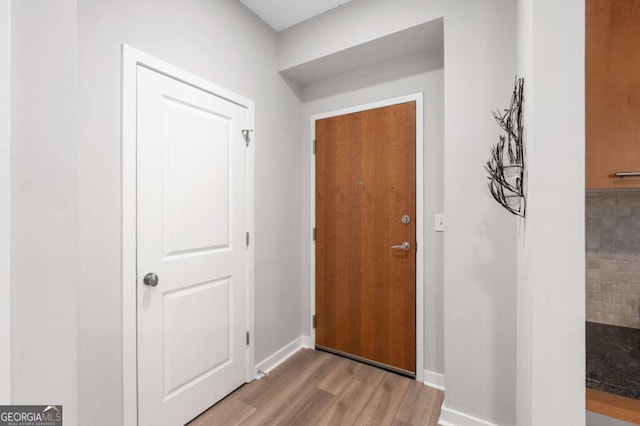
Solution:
(612, 405)
(396, 370)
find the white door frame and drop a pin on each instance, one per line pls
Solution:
(418, 98)
(131, 59)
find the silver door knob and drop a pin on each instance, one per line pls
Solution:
(404, 246)
(150, 279)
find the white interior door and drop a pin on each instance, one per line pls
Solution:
(192, 219)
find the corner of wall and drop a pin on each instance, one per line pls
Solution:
(433, 379)
(283, 354)
(551, 250)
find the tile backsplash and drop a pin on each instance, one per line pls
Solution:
(613, 257)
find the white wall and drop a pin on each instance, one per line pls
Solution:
(5, 191)
(480, 239)
(551, 290)
(43, 204)
(431, 83)
(352, 24)
(223, 42)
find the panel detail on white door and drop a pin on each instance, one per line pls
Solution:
(196, 178)
(191, 207)
(197, 318)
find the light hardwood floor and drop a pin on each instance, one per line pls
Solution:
(615, 406)
(314, 387)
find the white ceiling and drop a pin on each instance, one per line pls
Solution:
(281, 14)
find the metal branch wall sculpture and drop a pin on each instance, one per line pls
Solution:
(506, 166)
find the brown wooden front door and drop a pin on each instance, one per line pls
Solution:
(365, 184)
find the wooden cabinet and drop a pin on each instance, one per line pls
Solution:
(612, 93)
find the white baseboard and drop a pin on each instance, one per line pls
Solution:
(433, 379)
(282, 355)
(306, 342)
(449, 417)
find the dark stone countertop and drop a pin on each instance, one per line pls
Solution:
(613, 359)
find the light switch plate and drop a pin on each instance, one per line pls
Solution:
(439, 222)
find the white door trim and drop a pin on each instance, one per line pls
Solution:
(131, 59)
(418, 98)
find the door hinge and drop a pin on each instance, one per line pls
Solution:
(416, 246)
(247, 239)
(247, 338)
(313, 320)
(246, 134)
(314, 234)
(314, 146)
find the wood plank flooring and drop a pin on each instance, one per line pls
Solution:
(318, 388)
(615, 406)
